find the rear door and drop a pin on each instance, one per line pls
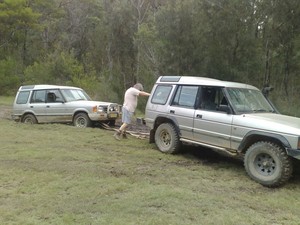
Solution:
(183, 108)
(38, 105)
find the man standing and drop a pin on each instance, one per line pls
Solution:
(129, 106)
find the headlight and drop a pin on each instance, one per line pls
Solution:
(100, 108)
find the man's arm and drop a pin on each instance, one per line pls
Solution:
(143, 93)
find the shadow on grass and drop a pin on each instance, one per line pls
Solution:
(208, 156)
(296, 174)
(215, 159)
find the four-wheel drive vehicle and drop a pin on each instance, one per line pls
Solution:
(61, 104)
(230, 117)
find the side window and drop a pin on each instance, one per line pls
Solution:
(186, 96)
(22, 97)
(212, 98)
(54, 96)
(161, 94)
(38, 96)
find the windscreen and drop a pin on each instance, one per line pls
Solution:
(248, 101)
(75, 95)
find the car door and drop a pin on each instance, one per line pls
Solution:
(56, 108)
(212, 126)
(183, 108)
(37, 105)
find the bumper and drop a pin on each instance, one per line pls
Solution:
(104, 116)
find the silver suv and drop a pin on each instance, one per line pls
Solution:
(61, 104)
(230, 117)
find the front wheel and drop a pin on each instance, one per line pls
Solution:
(268, 164)
(167, 138)
(82, 120)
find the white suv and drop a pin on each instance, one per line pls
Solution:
(61, 104)
(225, 116)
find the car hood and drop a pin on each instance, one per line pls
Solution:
(270, 121)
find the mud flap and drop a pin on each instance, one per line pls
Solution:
(151, 138)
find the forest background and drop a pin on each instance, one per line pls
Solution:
(105, 46)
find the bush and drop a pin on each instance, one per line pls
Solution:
(9, 76)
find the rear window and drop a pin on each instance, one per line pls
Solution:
(38, 96)
(23, 97)
(186, 96)
(161, 94)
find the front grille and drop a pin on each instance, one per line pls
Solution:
(113, 108)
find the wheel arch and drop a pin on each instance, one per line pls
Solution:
(255, 136)
(28, 113)
(79, 111)
(163, 119)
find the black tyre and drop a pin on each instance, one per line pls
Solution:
(29, 119)
(82, 120)
(167, 138)
(268, 164)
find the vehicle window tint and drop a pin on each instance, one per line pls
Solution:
(54, 95)
(212, 98)
(23, 97)
(38, 96)
(58, 95)
(186, 96)
(161, 94)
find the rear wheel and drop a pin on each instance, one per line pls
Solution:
(167, 138)
(82, 120)
(29, 119)
(268, 164)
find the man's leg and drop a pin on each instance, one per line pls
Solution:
(126, 119)
(123, 130)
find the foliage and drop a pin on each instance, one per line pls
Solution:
(110, 45)
(10, 80)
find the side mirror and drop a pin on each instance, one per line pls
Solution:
(266, 90)
(224, 108)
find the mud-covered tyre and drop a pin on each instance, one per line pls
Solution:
(82, 120)
(29, 119)
(268, 164)
(167, 138)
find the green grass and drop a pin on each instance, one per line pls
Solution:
(59, 174)
(6, 100)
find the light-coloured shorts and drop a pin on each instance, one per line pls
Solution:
(126, 116)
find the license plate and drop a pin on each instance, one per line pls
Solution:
(113, 115)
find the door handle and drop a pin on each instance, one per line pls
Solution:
(199, 116)
(48, 106)
(172, 111)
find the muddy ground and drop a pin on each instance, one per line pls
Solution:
(5, 112)
(136, 126)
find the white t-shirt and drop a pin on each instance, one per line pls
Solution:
(131, 99)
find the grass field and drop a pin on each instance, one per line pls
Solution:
(59, 174)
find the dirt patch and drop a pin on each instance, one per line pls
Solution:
(5, 112)
(136, 125)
